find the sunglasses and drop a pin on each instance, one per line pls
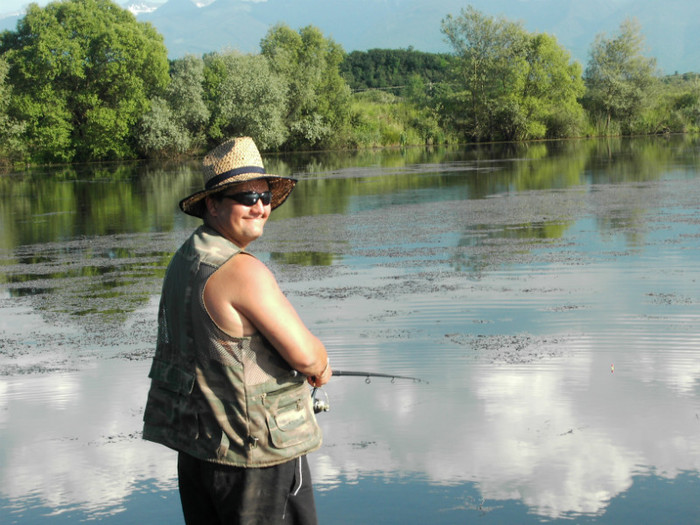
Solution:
(250, 198)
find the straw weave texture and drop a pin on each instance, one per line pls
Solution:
(232, 154)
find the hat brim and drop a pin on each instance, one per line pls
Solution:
(280, 188)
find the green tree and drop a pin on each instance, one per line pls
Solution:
(10, 129)
(318, 98)
(245, 97)
(508, 84)
(159, 132)
(486, 50)
(82, 72)
(550, 90)
(185, 93)
(674, 106)
(619, 78)
(176, 124)
(393, 68)
(684, 93)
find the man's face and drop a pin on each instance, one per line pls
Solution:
(239, 223)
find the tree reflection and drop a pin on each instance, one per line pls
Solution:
(72, 233)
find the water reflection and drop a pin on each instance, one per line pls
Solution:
(303, 258)
(547, 293)
(79, 451)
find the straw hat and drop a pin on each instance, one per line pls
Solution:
(236, 160)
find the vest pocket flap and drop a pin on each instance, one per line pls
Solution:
(290, 418)
(291, 421)
(172, 377)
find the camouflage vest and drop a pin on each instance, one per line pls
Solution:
(229, 400)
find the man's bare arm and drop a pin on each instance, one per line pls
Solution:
(243, 296)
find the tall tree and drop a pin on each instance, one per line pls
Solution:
(508, 84)
(82, 73)
(160, 134)
(619, 77)
(318, 98)
(551, 88)
(488, 50)
(185, 93)
(176, 122)
(245, 97)
(10, 129)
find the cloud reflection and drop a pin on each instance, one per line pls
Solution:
(540, 433)
(71, 440)
(563, 435)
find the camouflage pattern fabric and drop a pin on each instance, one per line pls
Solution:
(228, 400)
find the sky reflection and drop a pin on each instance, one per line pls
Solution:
(564, 436)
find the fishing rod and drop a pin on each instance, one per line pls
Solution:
(369, 375)
(323, 405)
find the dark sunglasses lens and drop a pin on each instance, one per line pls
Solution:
(250, 198)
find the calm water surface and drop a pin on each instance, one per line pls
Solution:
(548, 295)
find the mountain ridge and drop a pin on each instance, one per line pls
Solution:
(669, 27)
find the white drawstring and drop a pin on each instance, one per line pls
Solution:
(300, 478)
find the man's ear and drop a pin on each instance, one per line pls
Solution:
(211, 203)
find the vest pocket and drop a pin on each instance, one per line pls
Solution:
(172, 377)
(290, 417)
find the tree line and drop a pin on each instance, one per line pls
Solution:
(83, 80)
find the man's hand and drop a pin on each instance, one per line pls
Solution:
(323, 377)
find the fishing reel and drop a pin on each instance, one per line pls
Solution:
(320, 404)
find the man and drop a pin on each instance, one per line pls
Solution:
(229, 375)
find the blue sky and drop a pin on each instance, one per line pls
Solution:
(12, 7)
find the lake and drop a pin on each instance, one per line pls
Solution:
(547, 296)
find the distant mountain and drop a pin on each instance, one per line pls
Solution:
(9, 22)
(671, 27)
